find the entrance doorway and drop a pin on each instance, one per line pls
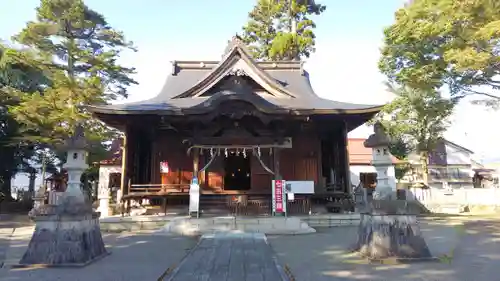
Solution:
(237, 172)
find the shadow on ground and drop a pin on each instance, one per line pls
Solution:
(470, 249)
(133, 257)
(323, 256)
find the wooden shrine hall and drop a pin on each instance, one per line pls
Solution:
(235, 125)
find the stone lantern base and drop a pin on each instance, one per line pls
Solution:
(386, 233)
(65, 235)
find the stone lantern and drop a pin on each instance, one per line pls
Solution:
(76, 163)
(382, 161)
(67, 234)
(388, 230)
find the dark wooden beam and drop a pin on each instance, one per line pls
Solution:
(237, 141)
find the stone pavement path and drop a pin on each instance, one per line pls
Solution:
(230, 257)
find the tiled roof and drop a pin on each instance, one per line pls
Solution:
(288, 78)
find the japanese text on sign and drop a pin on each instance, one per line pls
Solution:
(278, 196)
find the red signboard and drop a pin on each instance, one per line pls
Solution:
(278, 195)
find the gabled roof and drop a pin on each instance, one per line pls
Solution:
(457, 146)
(236, 61)
(287, 83)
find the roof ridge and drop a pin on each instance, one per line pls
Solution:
(210, 64)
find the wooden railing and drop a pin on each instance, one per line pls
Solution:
(157, 189)
(247, 204)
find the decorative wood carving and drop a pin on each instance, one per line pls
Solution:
(237, 72)
(237, 84)
(236, 109)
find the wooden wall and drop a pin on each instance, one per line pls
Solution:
(302, 162)
(171, 150)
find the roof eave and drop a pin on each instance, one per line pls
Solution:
(112, 111)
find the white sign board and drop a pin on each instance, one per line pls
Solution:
(300, 187)
(194, 198)
(291, 196)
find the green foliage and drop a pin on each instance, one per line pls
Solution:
(281, 29)
(417, 119)
(400, 149)
(69, 59)
(79, 50)
(17, 72)
(79, 41)
(446, 42)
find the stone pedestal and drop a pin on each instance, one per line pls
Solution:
(103, 194)
(384, 234)
(65, 235)
(103, 208)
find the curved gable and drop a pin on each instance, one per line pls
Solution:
(236, 62)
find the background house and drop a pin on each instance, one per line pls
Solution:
(449, 162)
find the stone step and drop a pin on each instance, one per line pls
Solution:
(117, 223)
(452, 209)
(332, 220)
(271, 225)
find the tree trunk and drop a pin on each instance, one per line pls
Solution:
(391, 236)
(424, 159)
(6, 186)
(32, 180)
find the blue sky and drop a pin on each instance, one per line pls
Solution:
(343, 68)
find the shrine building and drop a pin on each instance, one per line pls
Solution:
(234, 124)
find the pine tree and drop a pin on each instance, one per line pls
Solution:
(78, 49)
(282, 29)
(261, 28)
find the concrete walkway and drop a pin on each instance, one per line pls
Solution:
(230, 257)
(133, 257)
(478, 255)
(467, 253)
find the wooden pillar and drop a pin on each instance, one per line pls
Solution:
(124, 178)
(196, 162)
(346, 160)
(276, 163)
(155, 162)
